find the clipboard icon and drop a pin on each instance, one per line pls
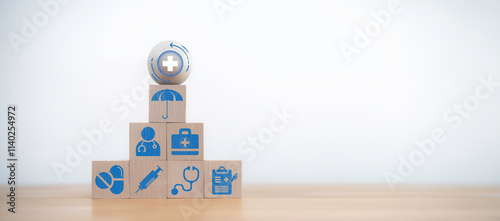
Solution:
(222, 180)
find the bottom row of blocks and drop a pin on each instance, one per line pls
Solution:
(166, 179)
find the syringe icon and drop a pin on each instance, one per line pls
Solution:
(149, 179)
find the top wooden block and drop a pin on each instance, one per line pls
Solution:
(167, 103)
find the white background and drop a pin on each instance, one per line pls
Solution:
(353, 120)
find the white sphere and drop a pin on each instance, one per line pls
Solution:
(169, 62)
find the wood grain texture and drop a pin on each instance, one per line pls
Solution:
(139, 170)
(175, 176)
(104, 167)
(176, 109)
(135, 137)
(266, 202)
(196, 129)
(230, 165)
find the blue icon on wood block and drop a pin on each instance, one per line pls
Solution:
(175, 191)
(167, 95)
(222, 181)
(149, 179)
(148, 146)
(185, 143)
(104, 180)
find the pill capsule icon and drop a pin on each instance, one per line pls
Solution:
(116, 171)
(114, 180)
(103, 180)
(117, 187)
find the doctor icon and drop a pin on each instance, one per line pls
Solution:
(148, 146)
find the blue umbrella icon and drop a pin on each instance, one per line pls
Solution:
(166, 95)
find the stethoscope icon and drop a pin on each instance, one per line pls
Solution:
(142, 148)
(175, 191)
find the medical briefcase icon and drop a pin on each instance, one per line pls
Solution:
(222, 181)
(185, 143)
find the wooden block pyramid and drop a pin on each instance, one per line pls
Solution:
(166, 157)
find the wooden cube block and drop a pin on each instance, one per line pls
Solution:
(167, 103)
(147, 141)
(185, 142)
(148, 179)
(223, 179)
(110, 179)
(185, 179)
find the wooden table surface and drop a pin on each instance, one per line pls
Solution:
(266, 203)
